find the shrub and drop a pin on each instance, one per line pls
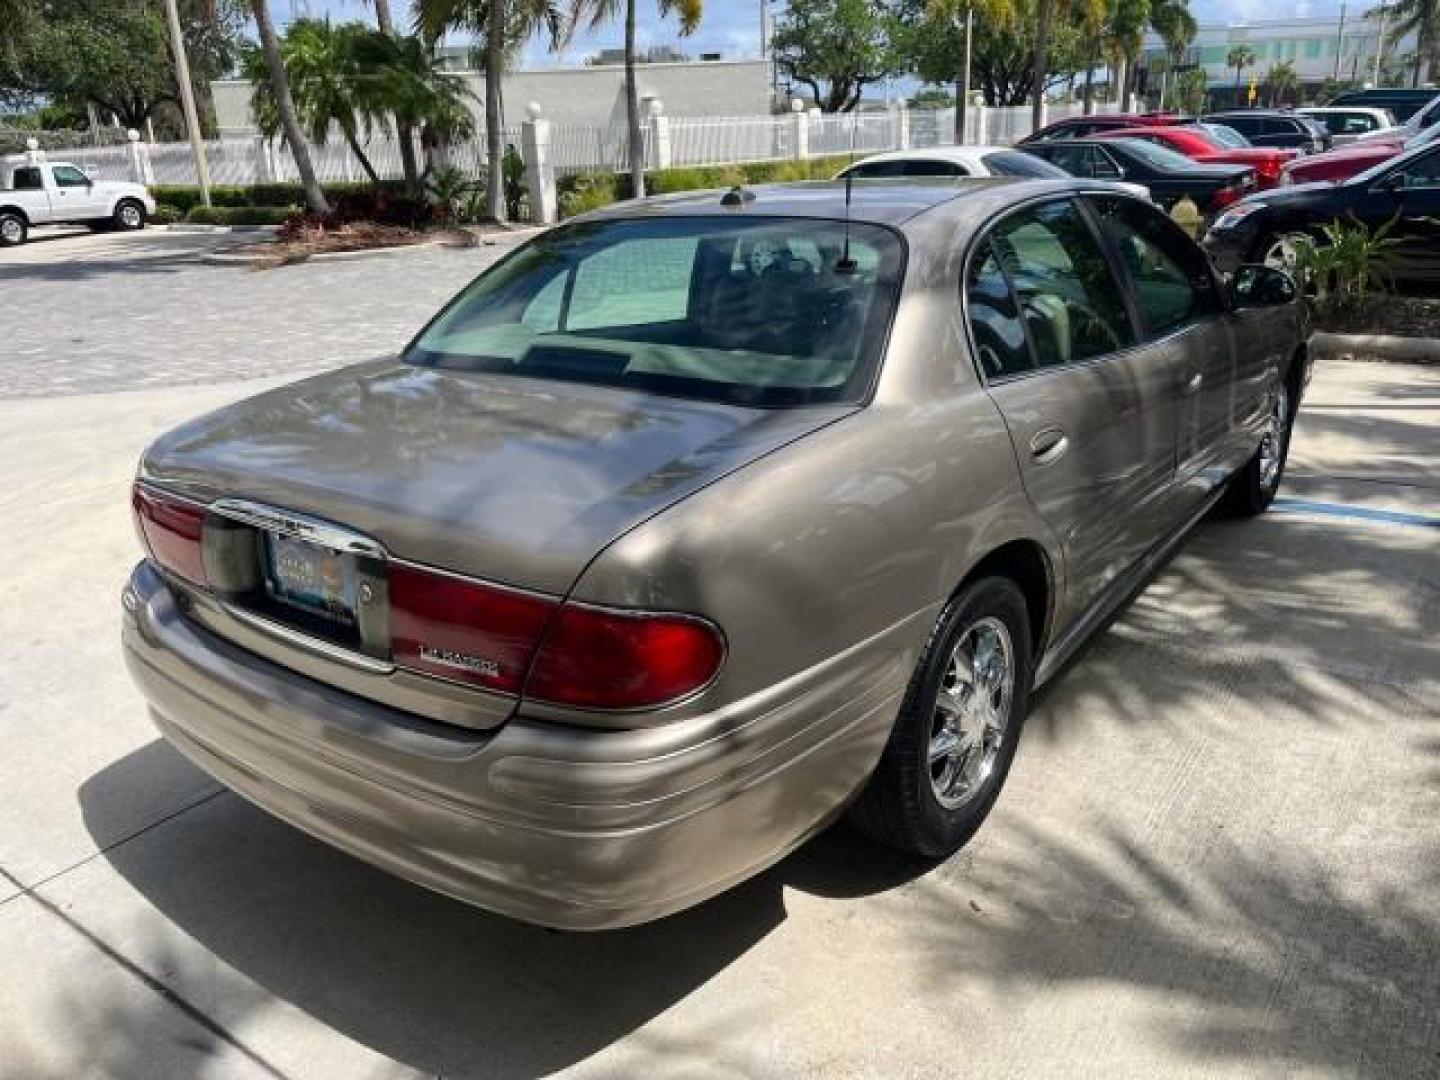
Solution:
(580, 192)
(281, 194)
(165, 214)
(238, 215)
(372, 205)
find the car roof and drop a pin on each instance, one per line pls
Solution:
(1378, 109)
(883, 201)
(959, 154)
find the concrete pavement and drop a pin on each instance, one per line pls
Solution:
(1217, 854)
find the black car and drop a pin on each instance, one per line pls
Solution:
(1169, 176)
(1277, 127)
(1403, 103)
(1405, 189)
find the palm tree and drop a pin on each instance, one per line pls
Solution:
(1420, 18)
(404, 132)
(1282, 81)
(1174, 24)
(503, 26)
(1124, 38)
(1240, 57)
(285, 107)
(602, 11)
(1084, 12)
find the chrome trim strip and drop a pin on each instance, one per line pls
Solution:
(313, 645)
(470, 579)
(301, 526)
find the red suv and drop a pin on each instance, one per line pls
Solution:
(1199, 145)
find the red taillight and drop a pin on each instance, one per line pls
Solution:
(463, 629)
(1225, 196)
(595, 658)
(172, 530)
(576, 654)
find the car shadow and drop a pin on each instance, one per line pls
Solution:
(428, 981)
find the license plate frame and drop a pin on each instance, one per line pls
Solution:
(305, 576)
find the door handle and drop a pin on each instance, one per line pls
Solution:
(1194, 383)
(1047, 445)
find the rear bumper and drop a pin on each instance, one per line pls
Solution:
(558, 826)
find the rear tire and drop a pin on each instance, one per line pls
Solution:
(13, 228)
(957, 731)
(129, 215)
(1253, 488)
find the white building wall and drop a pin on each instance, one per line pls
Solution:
(587, 95)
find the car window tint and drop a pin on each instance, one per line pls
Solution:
(1423, 172)
(27, 179)
(1249, 126)
(1075, 160)
(772, 312)
(995, 325)
(1068, 299)
(1019, 163)
(69, 176)
(1166, 269)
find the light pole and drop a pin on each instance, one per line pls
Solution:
(187, 99)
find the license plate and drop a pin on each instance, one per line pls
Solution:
(312, 578)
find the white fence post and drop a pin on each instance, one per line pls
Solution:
(659, 134)
(902, 126)
(539, 168)
(978, 120)
(138, 153)
(801, 120)
(265, 172)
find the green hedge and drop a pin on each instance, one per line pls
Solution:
(165, 215)
(580, 192)
(187, 198)
(239, 215)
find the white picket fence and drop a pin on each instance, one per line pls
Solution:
(669, 141)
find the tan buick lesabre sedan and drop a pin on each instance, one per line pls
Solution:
(697, 522)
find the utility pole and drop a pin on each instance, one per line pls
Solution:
(1379, 46)
(187, 99)
(1339, 43)
(962, 95)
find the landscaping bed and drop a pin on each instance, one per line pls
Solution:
(1394, 316)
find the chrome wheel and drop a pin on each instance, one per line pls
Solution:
(1283, 253)
(12, 230)
(1272, 446)
(972, 709)
(130, 216)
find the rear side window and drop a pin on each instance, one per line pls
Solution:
(1168, 273)
(1067, 299)
(27, 179)
(999, 335)
(905, 167)
(1249, 126)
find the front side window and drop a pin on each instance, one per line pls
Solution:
(1167, 271)
(1422, 173)
(770, 312)
(999, 334)
(1067, 298)
(68, 176)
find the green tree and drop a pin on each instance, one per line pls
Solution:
(1050, 16)
(404, 132)
(603, 11)
(1175, 26)
(1240, 57)
(112, 55)
(1282, 81)
(836, 48)
(1419, 19)
(1191, 90)
(1124, 36)
(288, 119)
(502, 26)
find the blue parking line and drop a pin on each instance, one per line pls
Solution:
(1361, 513)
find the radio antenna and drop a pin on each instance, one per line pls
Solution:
(847, 265)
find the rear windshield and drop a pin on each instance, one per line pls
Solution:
(1159, 156)
(767, 312)
(1019, 163)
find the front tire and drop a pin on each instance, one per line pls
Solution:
(957, 731)
(129, 215)
(1253, 488)
(13, 228)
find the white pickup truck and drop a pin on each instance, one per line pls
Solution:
(49, 192)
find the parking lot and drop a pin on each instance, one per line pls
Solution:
(1217, 854)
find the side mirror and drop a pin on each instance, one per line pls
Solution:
(1255, 285)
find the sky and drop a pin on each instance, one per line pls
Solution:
(732, 27)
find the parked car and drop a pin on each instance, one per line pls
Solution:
(1403, 102)
(1198, 144)
(1404, 189)
(1356, 158)
(55, 192)
(1424, 117)
(1277, 127)
(1080, 127)
(1168, 176)
(1348, 124)
(680, 530)
(959, 161)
